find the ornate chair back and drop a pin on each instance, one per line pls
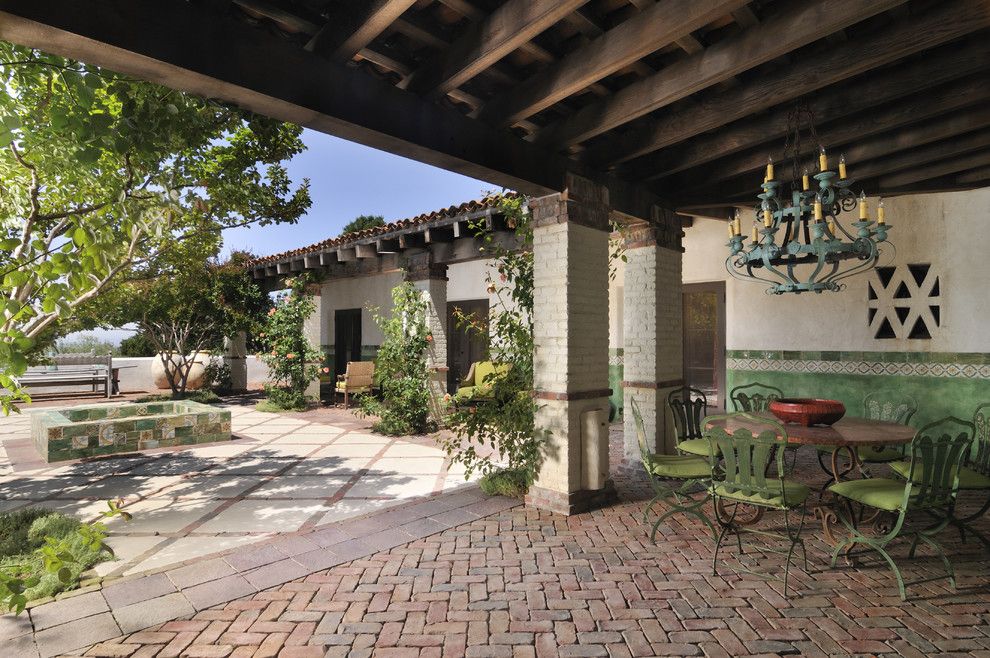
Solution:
(979, 454)
(747, 454)
(890, 407)
(937, 452)
(688, 406)
(754, 397)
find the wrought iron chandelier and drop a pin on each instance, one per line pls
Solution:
(815, 252)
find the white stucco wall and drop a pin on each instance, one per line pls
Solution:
(357, 292)
(467, 280)
(945, 230)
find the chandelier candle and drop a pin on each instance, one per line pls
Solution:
(815, 251)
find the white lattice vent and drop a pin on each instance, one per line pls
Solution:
(904, 302)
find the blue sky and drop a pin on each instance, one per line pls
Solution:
(347, 180)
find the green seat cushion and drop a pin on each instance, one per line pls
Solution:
(465, 393)
(881, 493)
(795, 493)
(968, 478)
(699, 447)
(340, 388)
(680, 467)
(880, 454)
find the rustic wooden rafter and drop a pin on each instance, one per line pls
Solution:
(952, 165)
(353, 24)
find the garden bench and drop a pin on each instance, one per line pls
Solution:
(73, 370)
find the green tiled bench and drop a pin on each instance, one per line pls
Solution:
(91, 430)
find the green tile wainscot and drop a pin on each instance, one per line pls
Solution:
(91, 430)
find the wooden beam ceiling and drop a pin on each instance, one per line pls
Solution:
(788, 30)
(631, 40)
(874, 91)
(943, 23)
(941, 168)
(484, 43)
(353, 24)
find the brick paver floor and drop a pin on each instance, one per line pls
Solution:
(527, 583)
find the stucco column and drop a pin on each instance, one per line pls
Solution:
(431, 279)
(235, 358)
(652, 333)
(313, 330)
(570, 250)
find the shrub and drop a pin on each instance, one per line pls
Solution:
(14, 528)
(217, 377)
(54, 525)
(400, 367)
(291, 359)
(136, 345)
(511, 483)
(505, 421)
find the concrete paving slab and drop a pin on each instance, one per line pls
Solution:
(272, 515)
(300, 486)
(163, 515)
(76, 634)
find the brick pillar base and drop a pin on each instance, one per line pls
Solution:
(235, 358)
(652, 326)
(570, 250)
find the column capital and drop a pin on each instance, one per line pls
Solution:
(582, 202)
(420, 267)
(663, 230)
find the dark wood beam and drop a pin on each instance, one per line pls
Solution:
(790, 29)
(948, 64)
(918, 113)
(942, 167)
(353, 24)
(943, 23)
(979, 175)
(624, 44)
(866, 174)
(227, 59)
(486, 42)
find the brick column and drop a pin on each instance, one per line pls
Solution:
(431, 279)
(235, 358)
(313, 330)
(570, 249)
(652, 319)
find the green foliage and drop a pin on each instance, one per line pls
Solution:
(48, 554)
(217, 377)
(101, 174)
(511, 483)
(85, 343)
(362, 222)
(137, 345)
(400, 366)
(201, 396)
(505, 422)
(291, 359)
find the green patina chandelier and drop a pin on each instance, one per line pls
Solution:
(815, 251)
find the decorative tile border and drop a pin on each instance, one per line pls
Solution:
(967, 365)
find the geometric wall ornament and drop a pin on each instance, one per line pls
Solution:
(904, 302)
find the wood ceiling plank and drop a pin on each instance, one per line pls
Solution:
(509, 27)
(943, 23)
(881, 88)
(941, 168)
(792, 28)
(353, 24)
(616, 49)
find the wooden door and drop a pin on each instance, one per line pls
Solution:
(704, 339)
(347, 338)
(464, 346)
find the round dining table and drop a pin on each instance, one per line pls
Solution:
(848, 434)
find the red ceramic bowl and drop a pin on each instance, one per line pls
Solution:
(808, 411)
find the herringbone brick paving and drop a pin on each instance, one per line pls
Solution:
(527, 583)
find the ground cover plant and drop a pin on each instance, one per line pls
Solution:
(43, 552)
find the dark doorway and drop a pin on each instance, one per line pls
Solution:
(347, 338)
(465, 346)
(704, 339)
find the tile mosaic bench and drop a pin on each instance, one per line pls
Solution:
(91, 430)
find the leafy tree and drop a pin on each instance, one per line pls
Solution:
(363, 222)
(100, 173)
(136, 345)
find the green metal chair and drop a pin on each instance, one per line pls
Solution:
(973, 476)
(689, 470)
(688, 407)
(887, 406)
(930, 487)
(746, 478)
(754, 397)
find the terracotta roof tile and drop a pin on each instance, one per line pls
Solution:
(490, 201)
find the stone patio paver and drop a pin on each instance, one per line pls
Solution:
(284, 473)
